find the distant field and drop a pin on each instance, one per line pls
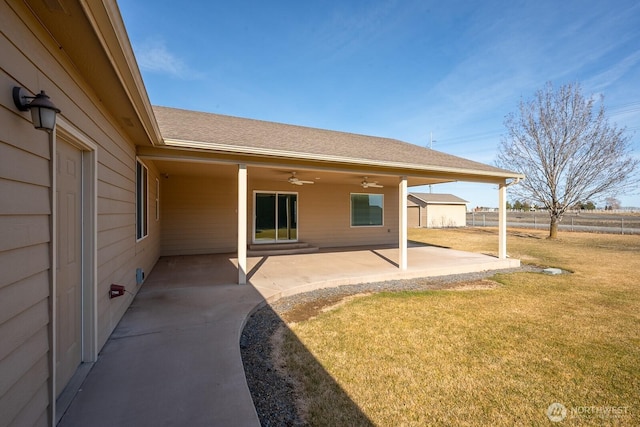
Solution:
(596, 222)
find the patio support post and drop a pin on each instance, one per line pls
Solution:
(502, 221)
(402, 235)
(242, 224)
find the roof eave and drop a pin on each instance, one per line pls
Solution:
(105, 18)
(431, 202)
(484, 176)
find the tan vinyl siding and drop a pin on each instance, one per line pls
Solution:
(35, 348)
(198, 215)
(24, 252)
(441, 216)
(423, 216)
(413, 216)
(325, 217)
(20, 335)
(119, 255)
(29, 392)
(32, 60)
(440, 210)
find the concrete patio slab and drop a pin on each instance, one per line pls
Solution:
(174, 358)
(275, 277)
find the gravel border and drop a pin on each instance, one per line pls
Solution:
(273, 394)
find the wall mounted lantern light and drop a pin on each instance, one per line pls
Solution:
(43, 112)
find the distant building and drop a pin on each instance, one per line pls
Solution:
(436, 210)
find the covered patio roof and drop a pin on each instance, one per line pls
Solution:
(199, 136)
(194, 141)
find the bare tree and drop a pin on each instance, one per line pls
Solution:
(613, 203)
(568, 152)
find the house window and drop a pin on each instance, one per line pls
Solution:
(142, 197)
(276, 217)
(366, 210)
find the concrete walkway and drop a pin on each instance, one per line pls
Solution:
(174, 358)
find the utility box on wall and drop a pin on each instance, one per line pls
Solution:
(116, 291)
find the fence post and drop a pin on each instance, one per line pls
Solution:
(484, 220)
(621, 225)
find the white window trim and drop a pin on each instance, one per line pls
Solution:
(157, 199)
(255, 216)
(145, 203)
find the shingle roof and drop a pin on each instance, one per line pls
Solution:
(249, 135)
(439, 198)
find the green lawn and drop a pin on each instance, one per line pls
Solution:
(484, 357)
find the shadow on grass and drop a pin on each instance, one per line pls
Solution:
(276, 400)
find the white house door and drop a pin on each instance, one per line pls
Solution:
(276, 217)
(69, 263)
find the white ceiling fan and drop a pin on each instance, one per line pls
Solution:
(295, 181)
(367, 184)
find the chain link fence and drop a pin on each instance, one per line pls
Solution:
(593, 222)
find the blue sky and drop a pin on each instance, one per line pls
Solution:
(399, 69)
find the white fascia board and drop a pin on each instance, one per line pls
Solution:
(437, 203)
(123, 61)
(446, 203)
(234, 149)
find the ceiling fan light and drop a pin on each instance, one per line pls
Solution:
(294, 180)
(366, 184)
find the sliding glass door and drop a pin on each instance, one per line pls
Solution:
(276, 217)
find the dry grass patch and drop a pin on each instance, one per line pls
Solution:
(476, 285)
(483, 358)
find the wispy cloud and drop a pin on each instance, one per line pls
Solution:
(350, 29)
(614, 73)
(154, 56)
(510, 57)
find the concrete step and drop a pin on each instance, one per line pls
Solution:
(268, 249)
(284, 245)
